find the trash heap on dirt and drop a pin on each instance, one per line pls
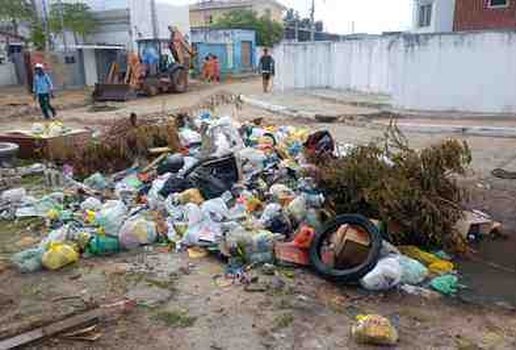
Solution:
(247, 193)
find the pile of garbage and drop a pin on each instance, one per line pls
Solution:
(245, 193)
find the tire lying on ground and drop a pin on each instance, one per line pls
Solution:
(8, 152)
(352, 274)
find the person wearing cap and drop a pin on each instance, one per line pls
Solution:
(43, 91)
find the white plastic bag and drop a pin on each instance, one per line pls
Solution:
(386, 275)
(205, 232)
(215, 209)
(137, 231)
(111, 216)
(194, 214)
(91, 203)
(15, 195)
(189, 137)
(153, 196)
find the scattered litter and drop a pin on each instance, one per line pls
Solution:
(447, 284)
(59, 255)
(375, 330)
(386, 275)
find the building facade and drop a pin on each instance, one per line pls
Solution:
(205, 13)
(433, 16)
(485, 14)
(235, 48)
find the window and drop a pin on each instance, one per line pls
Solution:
(497, 3)
(425, 15)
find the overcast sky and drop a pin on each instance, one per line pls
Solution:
(368, 16)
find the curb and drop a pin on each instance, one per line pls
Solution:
(483, 131)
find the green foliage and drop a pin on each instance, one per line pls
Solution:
(268, 32)
(37, 36)
(76, 17)
(414, 192)
(16, 10)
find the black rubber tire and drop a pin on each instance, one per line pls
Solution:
(357, 272)
(8, 152)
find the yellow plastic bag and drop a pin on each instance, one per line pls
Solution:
(374, 329)
(191, 196)
(441, 267)
(59, 255)
(435, 264)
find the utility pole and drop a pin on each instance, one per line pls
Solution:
(312, 21)
(63, 29)
(154, 19)
(45, 24)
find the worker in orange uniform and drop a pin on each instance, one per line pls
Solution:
(216, 69)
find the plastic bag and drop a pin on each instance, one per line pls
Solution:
(253, 160)
(297, 208)
(192, 195)
(374, 329)
(434, 263)
(413, 272)
(59, 255)
(205, 232)
(91, 203)
(271, 211)
(59, 235)
(153, 197)
(447, 284)
(15, 195)
(41, 207)
(111, 217)
(215, 209)
(222, 138)
(97, 182)
(28, 260)
(189, 137)
(386, 275)
(441, 267)
(137, 231)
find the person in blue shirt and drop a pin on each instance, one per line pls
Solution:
(43, 91)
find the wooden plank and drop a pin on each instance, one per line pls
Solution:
(50, 330)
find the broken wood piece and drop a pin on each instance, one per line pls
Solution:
(66, 324)
(154, 163)
(86, 334)
(160, 150)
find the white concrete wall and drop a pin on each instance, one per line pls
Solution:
(473, 71)
(90, 67)
(167, 15)
(7, 74)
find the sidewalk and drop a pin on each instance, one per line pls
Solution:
(375, 111)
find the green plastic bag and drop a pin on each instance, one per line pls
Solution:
(447, 284)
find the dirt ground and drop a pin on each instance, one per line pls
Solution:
(184, 304)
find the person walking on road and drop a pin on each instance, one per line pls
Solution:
(43, 91)
(266, 68)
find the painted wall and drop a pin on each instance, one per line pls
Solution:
(201, 16)
(442, 16)
(90, 67)
(227, 45)
(8, 74)
(476, 14)
(474, 71)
